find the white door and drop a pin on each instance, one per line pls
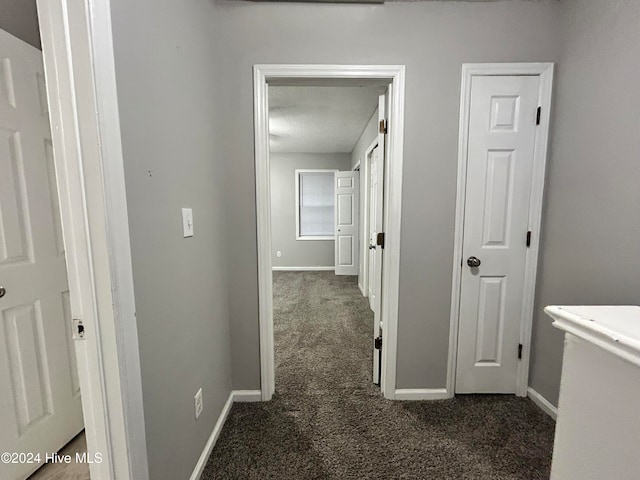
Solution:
(374, 205)
(502, 129)
(40, 406)
(377, 228)
(347, 210)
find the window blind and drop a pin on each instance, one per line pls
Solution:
(316, 204)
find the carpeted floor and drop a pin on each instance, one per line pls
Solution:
(328, 421)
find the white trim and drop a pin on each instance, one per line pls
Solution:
(330, 238)
(303, 269)
(545, 405)
(421, 394)
(361, 290)
(297, 173)
(213, 438)
(394, 75)
(356, 166)
(585, 322)
(545, 71)
(80, 73)
(242, 396)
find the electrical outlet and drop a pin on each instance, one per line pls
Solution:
(278, 254)
(198, 402)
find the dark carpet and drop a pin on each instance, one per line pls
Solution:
(328, 421)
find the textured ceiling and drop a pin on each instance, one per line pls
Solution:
(319, 119)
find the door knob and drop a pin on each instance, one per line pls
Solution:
(473, 262)
(3, 292)
(372, 247)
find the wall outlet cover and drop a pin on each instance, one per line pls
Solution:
(187, 222)
(278, 254)
(198, 402)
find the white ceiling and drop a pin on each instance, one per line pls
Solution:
(316, 119)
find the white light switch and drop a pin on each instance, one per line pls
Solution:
(278, 254)
(187, 222)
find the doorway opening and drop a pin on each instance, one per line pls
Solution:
(316, 221)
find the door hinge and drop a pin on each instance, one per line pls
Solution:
(377, 343)
(383, 126)
(538, 114)
(380, 239)
(528, 238)
(519, 351)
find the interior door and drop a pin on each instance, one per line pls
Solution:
(347, 193)
(374, 205)
(502, 129)
(40, 405)
(376, 251)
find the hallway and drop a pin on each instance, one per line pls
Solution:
(328, 421)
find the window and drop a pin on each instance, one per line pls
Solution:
(315, 204)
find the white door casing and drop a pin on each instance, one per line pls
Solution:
(347, 199)
(80, 78)
(377, 227)
(500, 161)
(40, 404)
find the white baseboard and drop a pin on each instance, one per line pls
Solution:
(361, 290)
(302, 269)
(421, 394)
(543, 403)
(202, 461)
(247, 395)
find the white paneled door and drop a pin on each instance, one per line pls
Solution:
(40, 405)
(346, 216)
(502, 130)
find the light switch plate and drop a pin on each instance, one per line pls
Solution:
(187, 222)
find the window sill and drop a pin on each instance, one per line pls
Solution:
(332, 238)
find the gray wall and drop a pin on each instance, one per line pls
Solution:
(591, 232)
(298, 253)
(20, 19)
(165, 77)
(432, 39)
(368, 135)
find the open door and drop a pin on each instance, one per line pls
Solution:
(40, 404)
(346, 217)
(376, 240)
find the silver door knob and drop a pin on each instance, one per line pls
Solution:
(473, 262)
(3, 292)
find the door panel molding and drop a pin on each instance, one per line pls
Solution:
(392, 76)
(502, 120)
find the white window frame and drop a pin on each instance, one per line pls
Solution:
(297, 180)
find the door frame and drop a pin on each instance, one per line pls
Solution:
(469, 70)
(79, 65)
(393, 75)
